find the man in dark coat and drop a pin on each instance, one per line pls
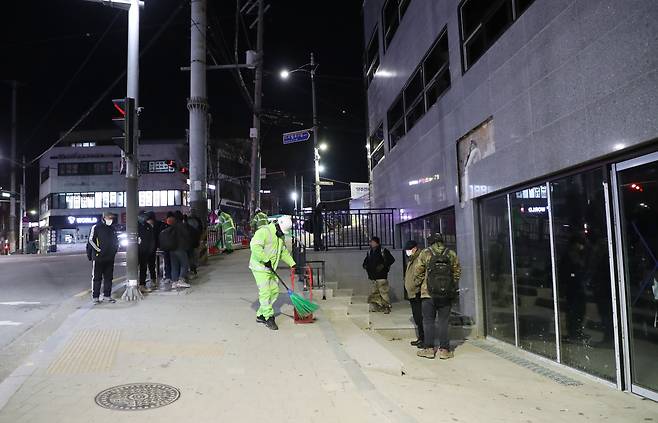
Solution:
(102, 248)
(377, 263)
(146, 234)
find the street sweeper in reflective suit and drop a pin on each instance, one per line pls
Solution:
(268, 248)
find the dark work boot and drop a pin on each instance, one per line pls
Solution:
(271, 324)
(417, 343)
(261, 319)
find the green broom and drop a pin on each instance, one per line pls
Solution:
(303, 306)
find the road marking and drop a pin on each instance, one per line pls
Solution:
(14, 303)
(87, 291)
(9, 323)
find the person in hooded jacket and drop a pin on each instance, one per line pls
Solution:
(377, 264)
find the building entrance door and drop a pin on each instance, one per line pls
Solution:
(636, 211)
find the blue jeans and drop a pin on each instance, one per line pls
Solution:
(180, 264)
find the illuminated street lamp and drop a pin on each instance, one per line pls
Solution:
(310, 69)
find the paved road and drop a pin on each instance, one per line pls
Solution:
(35, 290)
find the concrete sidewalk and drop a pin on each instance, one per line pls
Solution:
(205, 342)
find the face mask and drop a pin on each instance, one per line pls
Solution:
(108, 222)
(409, 252)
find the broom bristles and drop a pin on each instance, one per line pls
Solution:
(303, 306)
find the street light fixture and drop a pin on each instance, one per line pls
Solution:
(321, 168)
(310, 69)
(324, 146)
(33, 212)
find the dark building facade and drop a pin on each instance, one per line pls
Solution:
(525, 131)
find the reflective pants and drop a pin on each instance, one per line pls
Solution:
(228, 239)
(268, 292)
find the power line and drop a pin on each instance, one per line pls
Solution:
(114, 83)
(73, 78)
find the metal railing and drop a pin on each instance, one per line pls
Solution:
(349, 228)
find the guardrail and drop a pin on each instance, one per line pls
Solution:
(349, 228)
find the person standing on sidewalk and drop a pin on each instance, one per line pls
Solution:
(175, 239)
(412, 286)
(268, 248)
(195, 228)
(146, 249)
(439, 270)
(102, 247)
(228, 229)
(377, 263)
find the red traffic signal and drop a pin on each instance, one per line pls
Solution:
(171, 164)
(637, 187)
(184, 170)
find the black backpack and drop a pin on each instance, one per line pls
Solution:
(440, 282)
(168, 239)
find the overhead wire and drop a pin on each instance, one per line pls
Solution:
(72, 79)
(114, 83)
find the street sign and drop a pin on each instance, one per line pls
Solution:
(297, 136)
(326, 183)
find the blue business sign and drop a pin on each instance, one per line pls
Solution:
(297, 136)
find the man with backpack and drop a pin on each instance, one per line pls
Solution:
(377, 263)
(437, 273)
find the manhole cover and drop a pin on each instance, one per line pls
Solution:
(137, 396)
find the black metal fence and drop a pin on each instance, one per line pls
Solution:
(349, 228)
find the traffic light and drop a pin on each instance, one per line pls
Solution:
(184, 170)
(637, 187)
(125, 120)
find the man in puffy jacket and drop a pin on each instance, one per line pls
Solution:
(102, 247)
(268, 248)
(433, 306)
(377, 263)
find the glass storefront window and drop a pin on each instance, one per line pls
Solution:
(69, 201)
(177, 198)
(148, 198)
(583, 274)
(156, 198)
(638, 197)
(497, 269)
(533, 269)
(106, 199)
(113, 199)
(170, 198)
(98, 200)
(163, 199)
(120, 199)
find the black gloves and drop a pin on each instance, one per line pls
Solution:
(268, 264)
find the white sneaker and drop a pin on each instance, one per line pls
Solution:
(182, 284)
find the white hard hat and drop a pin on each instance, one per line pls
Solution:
(285, 223)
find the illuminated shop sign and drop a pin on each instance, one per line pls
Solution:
(534, 209)
(82, 220)
(422, 181)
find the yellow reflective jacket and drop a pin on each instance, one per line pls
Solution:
(259, 220)
(266, 246)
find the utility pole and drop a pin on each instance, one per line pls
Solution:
(197, 105)
(12, 187)
(22, 212)
(132, 160)
(301, 204)
(258, 101)
(316, 152)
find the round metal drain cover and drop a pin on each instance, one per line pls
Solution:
(137, 396)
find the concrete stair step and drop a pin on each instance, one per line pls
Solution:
(331, 285)
(344, 292)
(318, 292)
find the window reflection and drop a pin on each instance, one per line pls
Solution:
(534, 277)
(583, 273)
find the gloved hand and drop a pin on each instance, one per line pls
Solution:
(268, 264)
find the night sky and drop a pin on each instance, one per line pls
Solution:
(44, 44)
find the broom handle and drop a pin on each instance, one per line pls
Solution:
(280, 280)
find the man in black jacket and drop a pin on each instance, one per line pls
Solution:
(101, 250)
(377, 263)
(146, 249)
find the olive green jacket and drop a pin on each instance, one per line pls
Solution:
(410, 275)
(421, 267)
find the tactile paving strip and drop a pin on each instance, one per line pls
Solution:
(523, 362)
(88, 351)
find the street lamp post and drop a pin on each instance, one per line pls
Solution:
(22, 200)
(316, 152)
